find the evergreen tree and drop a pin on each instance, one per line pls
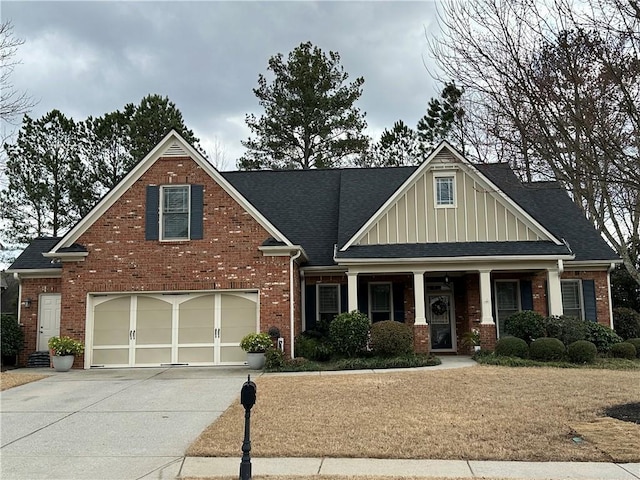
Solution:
(442, 120)
(309, 120)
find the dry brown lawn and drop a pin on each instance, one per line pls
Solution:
(339, 477)
(478, 413)
(10, 380)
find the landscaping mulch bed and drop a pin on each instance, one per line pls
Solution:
(627, 412)
(10, 380)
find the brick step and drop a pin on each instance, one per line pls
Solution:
(39, 360)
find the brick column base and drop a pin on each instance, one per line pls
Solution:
(421, 341)
(487, 337)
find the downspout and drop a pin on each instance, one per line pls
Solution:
(17, 277)
(609, 270)
(291, 301)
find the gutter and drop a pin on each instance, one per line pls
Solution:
(291, 301)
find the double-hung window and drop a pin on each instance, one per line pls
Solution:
(328, 302)
(380, 301)
(572, 298)
(445, 190)
(175, 212)
(507, 301)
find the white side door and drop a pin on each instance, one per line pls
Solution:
(48, 319)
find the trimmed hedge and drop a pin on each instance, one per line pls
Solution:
(603, 337)
(349, 333)
(527, 325)
(391, 338)
(636, 343)
(11, 335)
(566, 329)
(546, 349)
(312, 347)
(582, 351)
(624, 350)
(626, 322)
(512, 347)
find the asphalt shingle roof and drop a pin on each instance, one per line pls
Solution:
(319, 209)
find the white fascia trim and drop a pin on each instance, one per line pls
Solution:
(423, 166)
(500, 259)
(324, 270)
(37, 272)
(67, 256)
(112, 196)
(282, 250)
(591, 264)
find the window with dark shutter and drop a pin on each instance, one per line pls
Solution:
(174, 212)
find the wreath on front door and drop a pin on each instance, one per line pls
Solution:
(439, 307)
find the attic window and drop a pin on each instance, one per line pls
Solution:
(175, 212)
(445, 190)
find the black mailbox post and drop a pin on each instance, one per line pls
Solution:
(248, 400)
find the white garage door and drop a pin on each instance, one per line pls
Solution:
(164, 329)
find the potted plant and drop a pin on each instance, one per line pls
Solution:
(256, 344)
(64, 350)
(471, 339)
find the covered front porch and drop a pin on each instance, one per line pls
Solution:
(440, 301)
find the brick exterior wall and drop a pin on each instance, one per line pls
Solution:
(121, 260)
(602, 292)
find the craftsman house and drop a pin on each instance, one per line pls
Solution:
(179, 261)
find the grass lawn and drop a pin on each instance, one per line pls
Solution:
(477, 413)
(10, 380)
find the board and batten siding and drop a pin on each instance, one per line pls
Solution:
(479, 214)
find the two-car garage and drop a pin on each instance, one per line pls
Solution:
(143, 330)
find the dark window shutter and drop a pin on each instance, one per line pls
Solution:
(151, 217)
(196, 212)
(398, 302)
(589, 298)
(526, 295)
(344, 300)
(310, 307)
(363, 297)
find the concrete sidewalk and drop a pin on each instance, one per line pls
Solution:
(304, 467)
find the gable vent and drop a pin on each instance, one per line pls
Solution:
(175, 150)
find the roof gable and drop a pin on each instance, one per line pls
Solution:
(482, 212)
(173, 145)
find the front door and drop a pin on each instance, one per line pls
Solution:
(440, 317)
(48, 318)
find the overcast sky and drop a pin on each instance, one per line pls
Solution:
(90, 58)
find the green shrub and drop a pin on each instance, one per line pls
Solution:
(11, 335)
(349, 333)
(546, 349)
(390, 338)
(636, 343)
(312, 347)
(527, 325)
(626, 322)
(566, 329)
(512, 347)
(274, 359)
(624, 350)
(603, 337)
(582, 351)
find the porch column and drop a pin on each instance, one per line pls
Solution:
(418, 295)
(485, 298)
(352, 291)
(554, 292)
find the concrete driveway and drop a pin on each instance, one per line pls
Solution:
(111, 424)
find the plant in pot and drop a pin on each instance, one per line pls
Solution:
(64, 350)
(471, 339)
(256, 344)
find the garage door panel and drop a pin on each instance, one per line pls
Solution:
(153, 321)
(153, 356)
(118, 356)
(196, 323)
(238, 317)
(232, 354)
(111, 322)
(195, 354)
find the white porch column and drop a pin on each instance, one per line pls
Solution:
(554, 292)
(352, 290)
(418, 297)
(485, 298)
